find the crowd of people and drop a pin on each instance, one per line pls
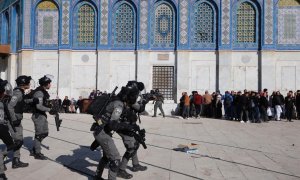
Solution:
(249, 106)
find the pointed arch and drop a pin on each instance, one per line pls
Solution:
(84, 25)
(124, 25)
(204, 25)
(163, 24)
(246, 25)
(46, 24)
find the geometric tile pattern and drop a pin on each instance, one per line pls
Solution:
(183, 21)
(246, 24)
(289, 25)
(104, 22)
(269, 22)
(144, 22)
(85, 25)
(124, 26)
(27, 22)
(163, 26)
(47, 24)
(225, 21)
(65, 22)
(203, 24)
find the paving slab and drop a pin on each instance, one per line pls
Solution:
(226, 150)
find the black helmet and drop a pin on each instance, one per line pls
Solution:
(129, 94)
(2, 85)
(157, 90)
(132, 95)
(139, 85)
(23, 80)
(45, 80)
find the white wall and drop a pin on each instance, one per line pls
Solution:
(238, 70)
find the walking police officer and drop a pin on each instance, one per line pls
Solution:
(130, 117)
(103, 134)
(5, 136)
(39, 116)
(159, 100)
(16, 109)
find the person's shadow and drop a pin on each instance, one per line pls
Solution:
(79, 161)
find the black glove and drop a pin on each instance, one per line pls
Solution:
(135, 127)
(35, 100)
(52, 112)
(145, 101)
(16, 123)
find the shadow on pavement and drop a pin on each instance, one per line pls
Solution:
(81, 160)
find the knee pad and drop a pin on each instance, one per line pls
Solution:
(40, 137)
(114, 165)
(129, 154)
(136, 145)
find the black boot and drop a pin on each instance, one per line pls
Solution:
(3, 177)
(40, 156)
(98, 177)
(32, 152)
(123, 174)
(138, 167)
(16, 163)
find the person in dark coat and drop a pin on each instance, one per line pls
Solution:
(298, 104)
(289, 105)
(244, 104)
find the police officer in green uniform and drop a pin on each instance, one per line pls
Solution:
(130, 117)
(39, 116)
(16, 109)
(5, 92)
(107, 123)
(159, 100)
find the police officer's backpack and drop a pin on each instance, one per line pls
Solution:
(98, 105)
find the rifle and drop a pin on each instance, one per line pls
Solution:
(55, 106)
(139, 136)
(106, 103)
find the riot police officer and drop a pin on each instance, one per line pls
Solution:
(130, 116)
(159, 100)
(39, 116)
(4, 130)
(109, 122)
(16, 109)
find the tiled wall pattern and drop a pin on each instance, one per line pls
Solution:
(225, 21)
(104, 22)
(269, 22)
(47, 28)
(144, 22)
(289, 26)
(27, 22)
(65, 22)
(183, 29)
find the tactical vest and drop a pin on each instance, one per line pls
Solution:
(19, 108)
(129, 116)
(2, 114)
(46, 97)
(3, 102)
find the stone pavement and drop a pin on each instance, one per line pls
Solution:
(226, 150)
